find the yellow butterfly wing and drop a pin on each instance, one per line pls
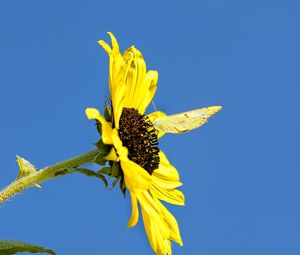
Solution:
(185, 121)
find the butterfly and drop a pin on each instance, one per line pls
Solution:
(184, 122)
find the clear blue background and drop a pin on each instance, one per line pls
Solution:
(240, 171)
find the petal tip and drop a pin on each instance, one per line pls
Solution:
(131, 224)
(92, 113)
(114, 42)
(105, 46)
(135, 211)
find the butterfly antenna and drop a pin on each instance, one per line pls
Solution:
(154, 105)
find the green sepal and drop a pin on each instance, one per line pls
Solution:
(123, 186)
(91, 173)
(100, 160)
(115, 181)
(9, 247)
(105, 170)
(99, 127)
(107, 116)
(124, 192)
(107, 113)
(104, 150)
(26, 168)
(115, 170)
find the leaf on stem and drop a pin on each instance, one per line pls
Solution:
(26, 168)
(9, 247)
(91, 173)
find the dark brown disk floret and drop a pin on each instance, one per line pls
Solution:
(138, 135)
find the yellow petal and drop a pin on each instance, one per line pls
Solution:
(148, 204)
(165, 170)
(112, 155)
(117, 68)
(172, 196)
(165, 180)
(167, 184)
(136, 178)
(130, 86)
(105, 46)
(149, 230)
(135, 211)
(120, 149)
(135, 89)
(172, 223)
(93, 113)
(160, 239)
(118, 102)
(132, 77)
(168, 246)
(158, 233)
(114, 42)
(140, 86)
(150, 86)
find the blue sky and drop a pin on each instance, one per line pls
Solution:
(240, 171)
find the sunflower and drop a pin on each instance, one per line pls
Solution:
(146, 171)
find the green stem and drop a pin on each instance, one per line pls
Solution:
(47, 173)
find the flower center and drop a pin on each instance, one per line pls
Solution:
(140, 138)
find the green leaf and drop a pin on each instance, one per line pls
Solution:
(9, 247)
(91, 173)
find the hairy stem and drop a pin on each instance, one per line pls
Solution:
(47, 173)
